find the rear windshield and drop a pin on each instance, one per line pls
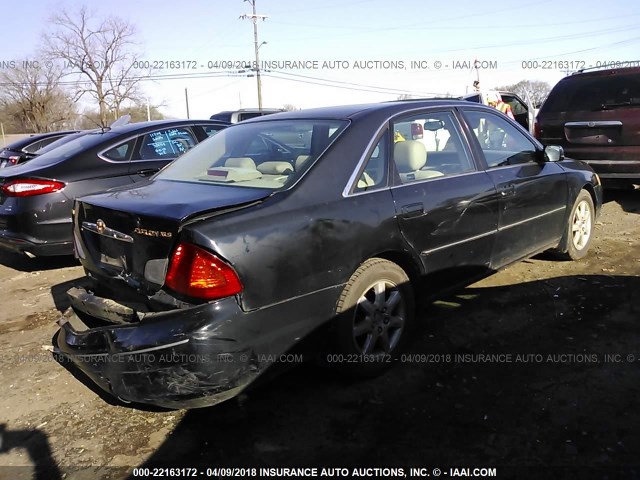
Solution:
(590, 93)
(270, 154)
(60, 141)
(69, 148)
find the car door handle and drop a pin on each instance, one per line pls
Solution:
(507, 190)
(413, 210)
(146, 171)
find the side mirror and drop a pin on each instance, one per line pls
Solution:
(554, 153)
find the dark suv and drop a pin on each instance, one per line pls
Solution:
(595, 116)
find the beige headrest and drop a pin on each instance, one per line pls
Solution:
(409, 156)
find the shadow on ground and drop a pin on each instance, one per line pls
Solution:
(543, 373)
(628, 199)
(23, 263)
(36, 444)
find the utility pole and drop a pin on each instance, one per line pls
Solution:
(186, 101)
(255, 17)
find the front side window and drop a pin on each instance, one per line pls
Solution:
(270, 154)
(163, 144)
(502, 143)
(428, 145)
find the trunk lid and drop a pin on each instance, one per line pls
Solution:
(129, 233)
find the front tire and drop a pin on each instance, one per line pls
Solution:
(579, 231)
(374, 313)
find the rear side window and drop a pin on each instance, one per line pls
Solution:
(165, 144)
(120, 153)
(374, 174)
(593, 93)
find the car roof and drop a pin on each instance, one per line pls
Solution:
(603, 71)
(130, 127)
(351, 111)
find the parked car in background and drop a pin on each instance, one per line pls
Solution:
(36, 199)
(595, 116)
(202, 277)
(29, 147)
(235, 116)
(522, 112)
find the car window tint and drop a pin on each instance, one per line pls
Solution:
(166, 143)
(374, 174)
(593, 93)
(120, 152)
(502, 143)
(428, 145)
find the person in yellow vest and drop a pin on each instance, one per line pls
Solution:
(495, 100)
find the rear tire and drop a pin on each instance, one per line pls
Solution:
(374, 314)
(579, 231)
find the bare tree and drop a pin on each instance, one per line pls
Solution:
(34, 98)
(91, 118)
(102, 51)
(533, 90)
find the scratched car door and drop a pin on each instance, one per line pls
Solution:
(446, 206)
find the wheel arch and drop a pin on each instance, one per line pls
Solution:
(406, 261)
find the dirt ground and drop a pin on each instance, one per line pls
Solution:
(536, 366)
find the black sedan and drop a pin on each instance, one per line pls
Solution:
(27, 148)
(208, 274)
(36, 199)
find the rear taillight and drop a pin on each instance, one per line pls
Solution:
(197, 273)
(30, 187)
(13, 160)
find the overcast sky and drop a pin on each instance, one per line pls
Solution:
(368, 46)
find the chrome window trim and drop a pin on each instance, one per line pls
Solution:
(352, 182)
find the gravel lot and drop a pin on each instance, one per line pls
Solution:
(537, 365)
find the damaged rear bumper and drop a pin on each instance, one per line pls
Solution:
(192, 357)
